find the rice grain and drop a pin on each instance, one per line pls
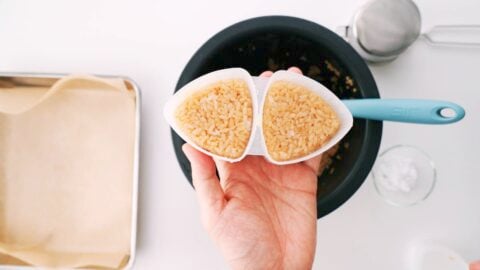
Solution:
(218, 118)
(296, 121)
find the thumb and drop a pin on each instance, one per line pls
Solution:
(209, 192)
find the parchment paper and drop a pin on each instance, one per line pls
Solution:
(66, 168)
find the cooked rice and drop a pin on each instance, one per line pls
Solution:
(296, 121)
(218, 118)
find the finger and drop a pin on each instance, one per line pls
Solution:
(267, 73)
(209, 192)
(475, 265)
(222, 168)
(295, 69)
(314, 163)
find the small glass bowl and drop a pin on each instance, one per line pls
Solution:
(433, 257)
(404, 175)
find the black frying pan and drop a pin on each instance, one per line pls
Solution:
(278, 42)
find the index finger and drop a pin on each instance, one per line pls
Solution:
(267, 74)
(314, 163)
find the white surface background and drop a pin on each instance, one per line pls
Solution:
(151, 41)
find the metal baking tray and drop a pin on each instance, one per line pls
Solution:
(13, 79)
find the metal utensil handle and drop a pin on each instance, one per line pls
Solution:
(418, 111)
(453, 35)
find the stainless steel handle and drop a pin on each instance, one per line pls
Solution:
(453, 35)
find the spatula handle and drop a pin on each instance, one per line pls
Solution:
(406, 110)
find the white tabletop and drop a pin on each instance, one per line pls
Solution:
(151, 42)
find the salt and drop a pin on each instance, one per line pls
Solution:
(397, 173)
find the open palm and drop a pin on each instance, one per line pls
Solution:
(261, 216)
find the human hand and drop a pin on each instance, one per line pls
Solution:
(260, 215)
(475, 265)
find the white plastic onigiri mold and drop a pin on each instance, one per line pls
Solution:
(258, 87)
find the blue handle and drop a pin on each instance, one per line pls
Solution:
(405, 110)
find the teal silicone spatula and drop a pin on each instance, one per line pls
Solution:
(419, 111)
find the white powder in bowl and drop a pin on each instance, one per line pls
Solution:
(397, 173)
